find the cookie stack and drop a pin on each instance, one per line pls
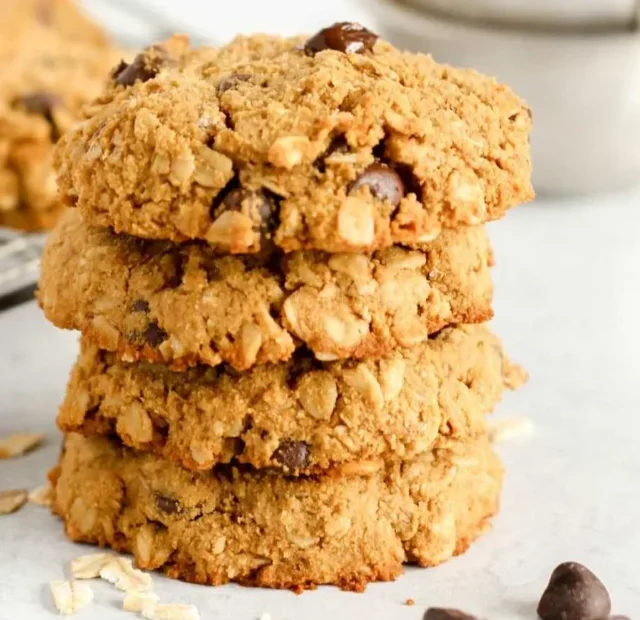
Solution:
(277, 263)
(54, 60)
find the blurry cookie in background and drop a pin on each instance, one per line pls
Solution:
(53, 60)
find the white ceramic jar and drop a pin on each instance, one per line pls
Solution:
(548, 13)
(584, 90)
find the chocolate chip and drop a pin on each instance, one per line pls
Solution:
(260, 206)
(292, 455)
(338, 145)
(231, 82)
(347, 37)
(44, 12)
(440, 613)
(574, 592)
(155, 335)
(43, 104)
(144, 67)
(168, 504)
(383, 182)
(176, 264)
(118, 69)
(140, 305)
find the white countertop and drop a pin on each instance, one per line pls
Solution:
(567, 293)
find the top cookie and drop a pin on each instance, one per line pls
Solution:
(54, 60)
(338, 143)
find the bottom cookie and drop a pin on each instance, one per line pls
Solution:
(262, 529)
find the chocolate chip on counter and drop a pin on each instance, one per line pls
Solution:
(440, 613)
(293, 455)
(140, 305)
(231, 82)
(42, 103)
(383, 182)
(347, 37)
(155, 335)
(145, 66)
(574, 592)
(168, 504)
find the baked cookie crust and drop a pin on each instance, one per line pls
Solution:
(262, 529)
(299, 417)
(183, 304)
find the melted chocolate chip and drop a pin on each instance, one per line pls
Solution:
(292, 455)
(347, 37)
(338, 145)
(439, 613)
(144, 67)
(43, 104)
(261, 207)
(383, 182)
(168, 504)
(155, 335)
(44, 12)
(574, 592)
(174, 278)
(231, 82)
(140, 305)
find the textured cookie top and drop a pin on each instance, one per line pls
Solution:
(339, 143)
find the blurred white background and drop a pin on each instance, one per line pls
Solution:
(219, 20)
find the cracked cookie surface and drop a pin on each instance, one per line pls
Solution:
(183, 304)
(336, 144)
(302, 416)
(54, 60)
(262, 529)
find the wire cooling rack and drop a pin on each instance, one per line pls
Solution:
(20, 253)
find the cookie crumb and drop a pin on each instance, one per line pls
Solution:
(409, 602)
(70, 596)
(515, 376)
(264, 616)
(11, 501)
(171, 612)
(19, 444)
(509, 428)
(41, 496)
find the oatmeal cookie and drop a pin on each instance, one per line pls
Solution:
(302, 416)
(339, 143)
(54, 60)
(261, 529)
(182, 304)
